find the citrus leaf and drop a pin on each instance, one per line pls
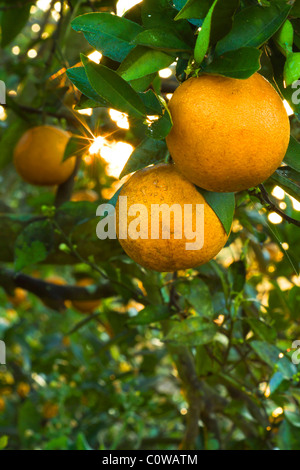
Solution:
(34, 244)
(194, 9)
(197, 294)
(254, 25)
(149, 151)
(143, 61)
(110, 34)
(3, 442)
(12, 22)
(223, 204)
(161, 39)
(151, 102)
(78, 76)
(75, 146)
(236, 64)
(112, 88)
(141, 84)
(193, 331)
(150, 314)
(203, 38)
(161, 128)
(270, 354)
(292, 156)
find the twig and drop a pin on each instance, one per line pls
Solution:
(265, 200)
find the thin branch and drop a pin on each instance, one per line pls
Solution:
(264, 198)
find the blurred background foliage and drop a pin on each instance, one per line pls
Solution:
(216, 340)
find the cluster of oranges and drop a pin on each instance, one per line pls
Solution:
(228, 135)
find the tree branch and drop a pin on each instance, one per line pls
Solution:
(56, 294)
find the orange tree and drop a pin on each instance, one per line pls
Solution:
(201, 358)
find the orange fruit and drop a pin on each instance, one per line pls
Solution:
(50, 410)
(23, 389)
(56, 280)
(85, 195)
(39, 153)
(86, 306)
(2, 404)
(227, 134)
(19, 296)
(164, 184)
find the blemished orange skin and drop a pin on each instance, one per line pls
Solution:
(85, 306)
(38, 156)
(228, 134)
(163, 184)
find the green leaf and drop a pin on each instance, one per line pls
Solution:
(203, 38)
(82, 443)
(3, 442)
(295, 11)
(291, 71)
(112, 88)
(276, 381)
(152, 103)
(150, 314)
(292, 156)
(160, 129)
(75, 146)
(288, 437)
(109, 34)
(114, 199)
(223, 204)
(270, 355)
(143, 61)
(58, 443)
(28, 418)
(149, 151)
(78, 76)
(197, 294)
(34, 244)
(12, 22)
(236, 64)
(222, 19)
(262, 329)
(253, 26)
(193, 331)
(141, 84)
(237, 276)
(9, 139)
(194, 9)
(293, 418)
(161, 39)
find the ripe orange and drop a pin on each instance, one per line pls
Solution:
(228, 134)
(86, 306)
(85, 195)
(2, 404)
(164, 184)
(19, 296)
(39, 153)
(50, 410)
(23, 389)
